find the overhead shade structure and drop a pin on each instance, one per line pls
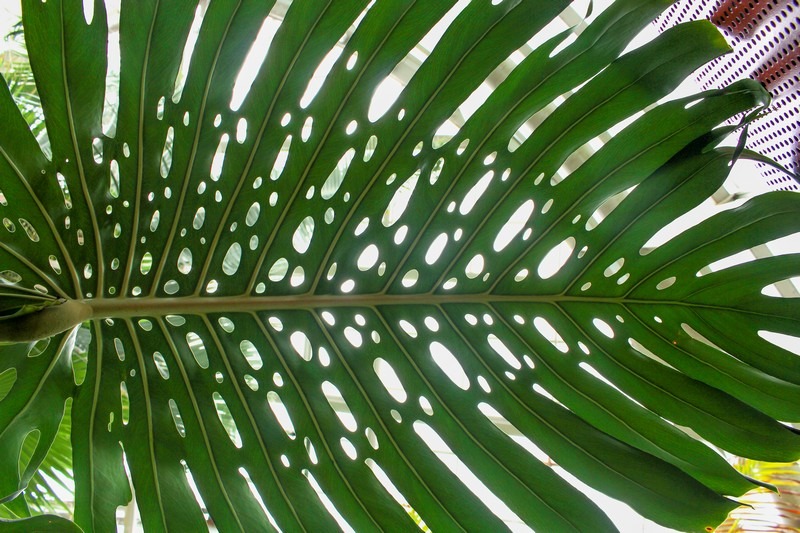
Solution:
(765, 36)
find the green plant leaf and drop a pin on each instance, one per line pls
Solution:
(33, 405)
(39, 523)
(309, 312)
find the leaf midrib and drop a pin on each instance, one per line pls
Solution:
(203, 305)
(73, 135)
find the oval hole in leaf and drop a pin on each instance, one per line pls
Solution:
(280, 160)
(308, 126)
(502, 350)
(368, 258)
(276, 323)
(281, 414)
(10, 277)
(62, 184)
(197, 348)
(603, 327)
(251, 382)
(251, 354)
(199, 218)
(431, 323)
(666, 283)
(226, 419)
(176, 418)
(339, 406)
(298, 276)
(278, 270)
(154, 220)
(241, 130)
(226, 324)
(119, 348)
(362, 226)
(475, 193)
(30, 231)
(399, 202)
(372, 438)
(252, 214)
(232, 260)
(369, 149)
(614, 267)
(166, 153)
(438, 167)
(449, 364)
(353, 337)
(125, 403)
(410, 278)
(348, 448)
(337, 176)
(175, 320)
(556, 258)
(161, 365)
(39, 347)
(310, 450)
(409, 329)
(781, 340)
(323, 357)
(389, 380)
(146, 264)
(436, 248)
(475, 267)
(185, 261)
(513, 226)
(301, 344)
(301, 239)
(548, 332)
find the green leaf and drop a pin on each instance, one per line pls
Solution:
(33, 406)
(39, 523)
(308, 312)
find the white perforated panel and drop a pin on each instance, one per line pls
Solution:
(765, 35)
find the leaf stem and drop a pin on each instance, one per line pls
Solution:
(46, 322)
(153, 307)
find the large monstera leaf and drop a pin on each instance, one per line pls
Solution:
(307, 314)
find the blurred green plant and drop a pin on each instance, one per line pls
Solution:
(764, 510)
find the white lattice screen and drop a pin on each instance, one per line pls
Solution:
(765, 35)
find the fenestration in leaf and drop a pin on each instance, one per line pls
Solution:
(296, 306)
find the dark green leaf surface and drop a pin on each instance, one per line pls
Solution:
(308, 317)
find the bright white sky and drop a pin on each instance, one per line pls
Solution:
(9, 14)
